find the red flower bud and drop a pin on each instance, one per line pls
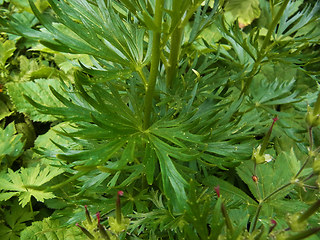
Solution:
(118, 207)
(255, 178)
(217, 189)
(274, 224)
(88, 217)
(98, 217)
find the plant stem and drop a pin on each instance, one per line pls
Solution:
(174, 55)
(142, 75)
(226, 217)
(253, 226)
(311, 210)
(276, 191)
(74, 177)
(310, 137)
(261, 53)
(304, 235)
(308, 158)
(262, 201)
(31, 210)
(303, 166)
(246, 83)
(150, 86)
(175, 47)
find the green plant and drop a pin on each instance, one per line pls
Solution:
(166, 112)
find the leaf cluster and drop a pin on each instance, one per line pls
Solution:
(160, 107)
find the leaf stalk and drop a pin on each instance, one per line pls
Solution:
(271, 29)
(174, 56)
(262, 52)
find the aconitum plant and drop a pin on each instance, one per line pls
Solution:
(201, 116)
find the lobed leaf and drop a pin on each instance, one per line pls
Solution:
(48, 229)
(24, 182)
(38, 90)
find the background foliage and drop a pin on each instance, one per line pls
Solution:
(166, 104)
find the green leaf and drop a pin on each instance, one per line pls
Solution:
(4, 108)
(79, 29)
(149, 161)
(6, 51)
(23, 5)
(271, 176)
(46, 144)
(232, 194)
(273, 93)
(245, 10)
(173, 183)
(49, 229)
(38, 90)
(99, 155)
(24, 181)
(14, 221)
(289, 24)
(11, 146)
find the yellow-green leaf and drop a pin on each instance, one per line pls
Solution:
(244, 10)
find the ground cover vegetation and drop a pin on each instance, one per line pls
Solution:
(159, 119)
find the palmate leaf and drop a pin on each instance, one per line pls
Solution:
(14, 221)
(272, 175)
(20, 183)
(171, 142)
(264, 93)
(98, 138)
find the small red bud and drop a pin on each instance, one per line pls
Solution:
(98, 217)
(255, 178)
(120, 193)
(101, 228)
(88, 217)
(274, 224)
(217, 189)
